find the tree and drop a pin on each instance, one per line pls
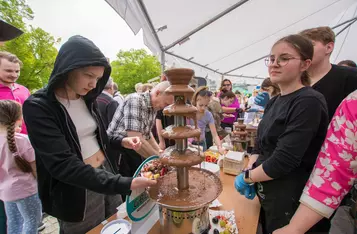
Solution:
(35, 48)
(132, 67)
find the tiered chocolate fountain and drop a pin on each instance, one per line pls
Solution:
(184, 194)
(239, 136)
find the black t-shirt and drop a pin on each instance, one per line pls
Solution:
(336, 85)
(289, 139)
(166, 121)
(292, 131)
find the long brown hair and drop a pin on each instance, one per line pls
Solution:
(305, 49)
(10, 112)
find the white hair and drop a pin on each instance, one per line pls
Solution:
(109, 83)
(162, 86)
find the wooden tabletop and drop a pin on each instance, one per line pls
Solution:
(246, 211)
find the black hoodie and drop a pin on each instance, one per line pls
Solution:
(62, 175)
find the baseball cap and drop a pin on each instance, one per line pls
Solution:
(8, 31)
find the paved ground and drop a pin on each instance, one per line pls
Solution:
(51, 225)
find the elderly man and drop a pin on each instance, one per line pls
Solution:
(136, 117)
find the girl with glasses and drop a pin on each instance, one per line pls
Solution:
(289, 136)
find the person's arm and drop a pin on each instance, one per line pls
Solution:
(51, 147)
(159, 129)
(252, 159)
(304, 219)
(153, 142)
(229, 110)
(302, 124)
(146, 149)
(215, 136)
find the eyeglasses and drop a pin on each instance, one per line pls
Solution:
(280, 61)
(226, 85)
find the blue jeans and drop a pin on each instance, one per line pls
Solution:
(24, 215)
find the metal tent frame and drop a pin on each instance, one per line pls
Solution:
(166, 49)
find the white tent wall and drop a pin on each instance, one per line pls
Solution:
(239, 37)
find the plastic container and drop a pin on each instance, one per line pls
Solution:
(212, 167)
(233, 162)
(227, 146)
(213, 148)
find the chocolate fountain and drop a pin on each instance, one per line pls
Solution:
(184, 194)
(239, 136)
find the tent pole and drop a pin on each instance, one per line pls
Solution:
(152, 28)
(345, 22)
(250, 77)
(244, 65)
(223, 13)
(354, 19)
(347, 26)
(190, 61)
(163, 61)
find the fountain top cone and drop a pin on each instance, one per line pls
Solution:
(183, 194)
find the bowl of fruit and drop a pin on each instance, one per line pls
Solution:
(223, 222)
(153, 170)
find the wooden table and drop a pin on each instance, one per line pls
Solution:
(246, 211)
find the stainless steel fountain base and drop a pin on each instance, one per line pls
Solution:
(184, 222)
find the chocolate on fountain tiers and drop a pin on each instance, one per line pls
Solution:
(190, 157)
(181, 132)
(185, 189)
(198, 194)
(180, 109)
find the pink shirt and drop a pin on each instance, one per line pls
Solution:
(16, 184)
(18, 93)
(336, 167)
(235, 104)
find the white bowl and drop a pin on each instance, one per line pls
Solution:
(120, 226)
(213, 148)
(212, 167)
(227, 146)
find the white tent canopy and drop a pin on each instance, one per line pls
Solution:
(229, 37)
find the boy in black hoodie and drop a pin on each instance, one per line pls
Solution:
(70, 140)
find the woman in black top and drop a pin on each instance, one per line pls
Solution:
(70, 184)
(289, 136)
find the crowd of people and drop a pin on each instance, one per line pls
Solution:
(71, 149)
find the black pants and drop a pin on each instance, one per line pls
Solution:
(278, 206)
(209, 139)
(130, 161)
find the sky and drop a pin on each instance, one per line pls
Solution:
(93, 19)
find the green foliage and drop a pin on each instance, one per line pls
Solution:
(15, 11)
(132, 67)
(35, 48)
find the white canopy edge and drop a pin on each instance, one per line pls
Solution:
(139, 15)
